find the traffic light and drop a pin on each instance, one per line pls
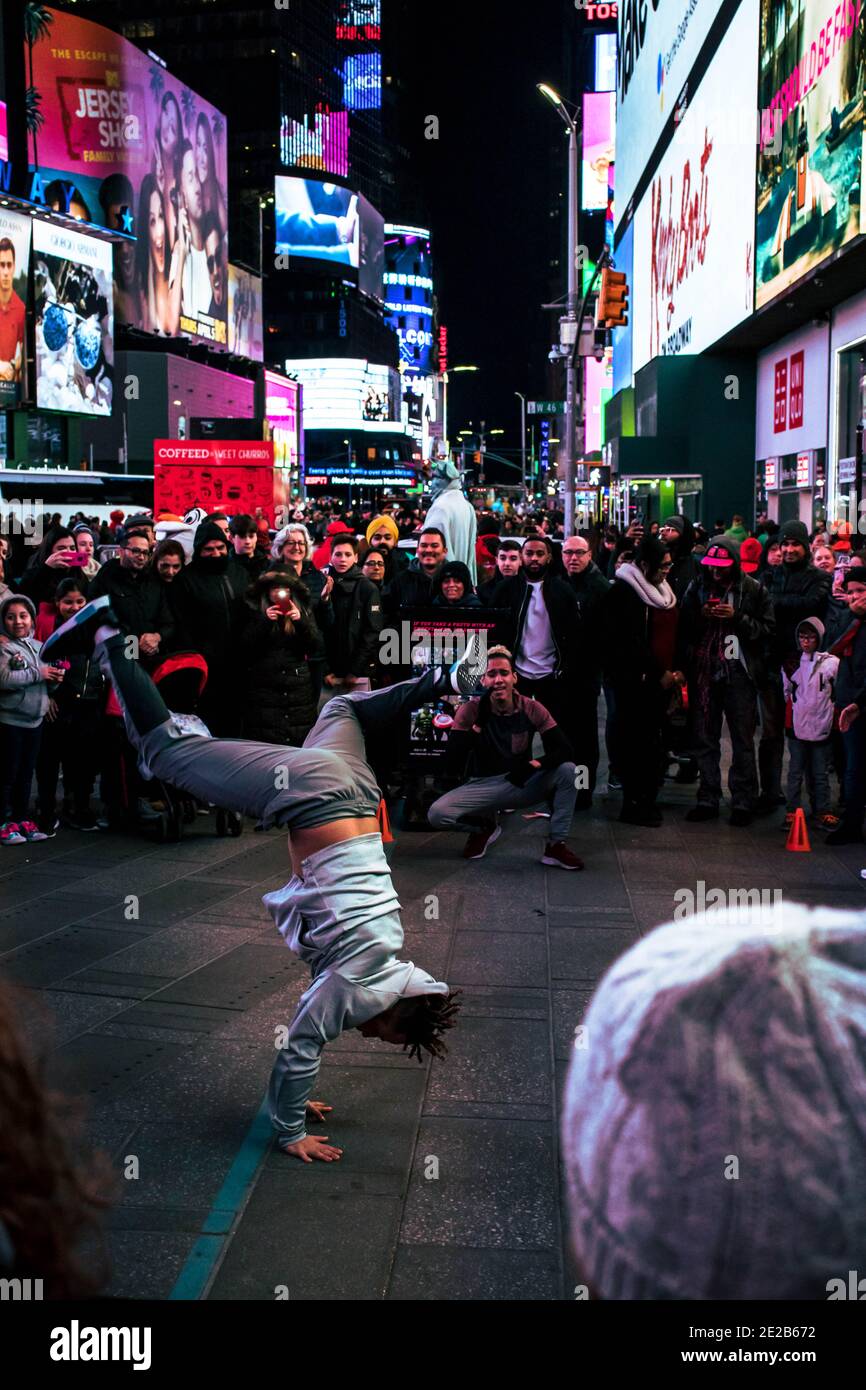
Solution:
(612, 308)
(476, 457)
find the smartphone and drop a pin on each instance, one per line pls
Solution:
(76, 557)
(284, 600)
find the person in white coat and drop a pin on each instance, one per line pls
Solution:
(452, 514)
(809, 688)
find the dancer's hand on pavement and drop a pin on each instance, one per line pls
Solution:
(317, 1110)
(314, 1146)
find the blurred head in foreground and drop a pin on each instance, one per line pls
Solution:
(714, 1127)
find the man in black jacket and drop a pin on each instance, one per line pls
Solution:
(207, 602)
(413, 586)
(352, 636)
(797, 590)
(726, 626)
(543, 630)
(493, 736)
(678, 534)
(589, 586)
(137, 596)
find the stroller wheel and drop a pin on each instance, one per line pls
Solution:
(236, 825)
(221, 822)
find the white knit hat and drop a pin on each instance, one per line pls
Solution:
(714, 1128)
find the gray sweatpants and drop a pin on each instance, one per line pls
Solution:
(328, 779)
(468, 806)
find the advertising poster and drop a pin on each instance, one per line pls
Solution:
(14, 268)
(359, 21)
(246, 335)
(809, 169)
(72, 298)
(599, 150)
(317, 221)
(283, 420)
(694, 227)
(362, 81)
(598, 389)
(227, 475)
(409, 301)
(657, 47)
(371, 256)
(319, 143)
(125, 145)
(348, 393)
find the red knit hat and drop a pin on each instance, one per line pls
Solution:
(751, 551)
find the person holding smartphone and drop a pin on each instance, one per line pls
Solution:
(279, 638)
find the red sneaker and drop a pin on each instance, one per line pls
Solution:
(479, 842)
(560, 856)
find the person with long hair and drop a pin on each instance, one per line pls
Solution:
(166, 162)
(205, 166)
(161, 302)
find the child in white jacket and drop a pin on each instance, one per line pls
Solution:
(810, 689)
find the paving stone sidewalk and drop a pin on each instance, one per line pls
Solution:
(162, 1014)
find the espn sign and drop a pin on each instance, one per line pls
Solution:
(788, 393)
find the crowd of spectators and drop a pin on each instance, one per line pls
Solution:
(678, 627)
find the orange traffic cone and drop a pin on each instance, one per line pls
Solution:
(384, 823)
(798, 836)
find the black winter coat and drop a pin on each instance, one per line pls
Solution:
(208, 610)
(278, 696)
(563, 611)
(797, 592)
(352, 638)
(138, 598)
(753, 624)
(629, 662)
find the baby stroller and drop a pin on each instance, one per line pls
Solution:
(181, 679)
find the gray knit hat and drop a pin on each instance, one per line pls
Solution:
(714, 1128)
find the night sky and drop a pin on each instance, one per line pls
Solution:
(490, 189)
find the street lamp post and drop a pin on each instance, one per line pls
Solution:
(522, 436)
(445, 398)
(571, 367)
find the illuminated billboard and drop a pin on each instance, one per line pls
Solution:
(409, 299)
(124, 144)
(346, 393)
(605, 62)
(657, 46)
(246, 336)
(283, 420)
(362, 81)
(359, 21)
(695, 225)
(74, 320)
(317, 221)
(599, 149)
(14, 270)
(371, 269)
(321, 221)
(809, 168)
(321, 143)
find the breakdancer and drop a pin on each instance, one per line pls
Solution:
(339, 911)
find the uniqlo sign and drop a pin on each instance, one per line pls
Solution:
(795, 390)
(780, 397)
(788, 393)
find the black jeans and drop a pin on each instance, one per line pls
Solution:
(70, 741)
(636, 740)
(734, 699)
(855, 775)
(18, 752)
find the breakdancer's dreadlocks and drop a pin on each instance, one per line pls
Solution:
(424, 1018)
